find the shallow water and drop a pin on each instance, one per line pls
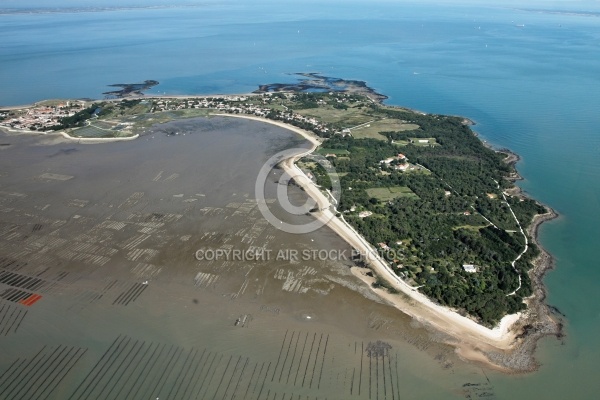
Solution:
(127, 311)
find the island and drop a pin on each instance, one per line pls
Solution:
(439, 227)
(130, 89)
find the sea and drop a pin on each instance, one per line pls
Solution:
(528, 76)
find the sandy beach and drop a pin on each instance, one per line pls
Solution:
(99, 140)
(473, 342)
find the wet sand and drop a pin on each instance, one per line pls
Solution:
(106, 234)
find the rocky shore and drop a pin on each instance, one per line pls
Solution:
(314, 81)
(130, 89)
(540, 319)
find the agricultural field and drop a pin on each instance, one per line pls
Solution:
(345, 118)
(133, 109)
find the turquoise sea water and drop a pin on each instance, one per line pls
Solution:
(534, 89)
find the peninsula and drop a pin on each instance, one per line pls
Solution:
(443, 232)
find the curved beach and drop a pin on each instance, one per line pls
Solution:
(505, 347)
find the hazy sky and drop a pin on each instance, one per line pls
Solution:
(562, 4)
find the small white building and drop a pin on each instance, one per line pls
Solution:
(469, 268)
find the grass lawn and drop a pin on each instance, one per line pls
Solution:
(390, 193)
(89, 132)
(101, 124)
(348, 118)
(92, 131)
(418, 141)
(140, 108)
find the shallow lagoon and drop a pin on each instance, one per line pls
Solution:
(127, 311)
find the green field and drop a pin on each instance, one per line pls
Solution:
(145, 121)
(391, 193)
(373, 129)
(92, 132)
(102, 124)
(140, 108)
(417, 141)
(348, 118)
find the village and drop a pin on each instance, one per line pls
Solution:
(40, 117)
(52, 115)
(244, 105)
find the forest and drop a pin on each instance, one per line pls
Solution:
(445, 211)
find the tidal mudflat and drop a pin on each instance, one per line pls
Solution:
(102, 295)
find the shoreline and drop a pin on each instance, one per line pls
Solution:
(508, 347)
(538, 320)
(100, 139)
(65, 135)
(504, 347)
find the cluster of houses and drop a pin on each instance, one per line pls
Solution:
(470, 268)
(40, 117)
(399, 162)
(239, 105)
(313, 122)
(219, 103)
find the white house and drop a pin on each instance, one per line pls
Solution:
(469, 268)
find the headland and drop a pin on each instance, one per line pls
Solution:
(443, 233)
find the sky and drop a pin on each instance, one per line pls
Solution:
(562, 4)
